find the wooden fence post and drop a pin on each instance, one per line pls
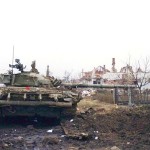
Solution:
(115, 95)
(129, 97)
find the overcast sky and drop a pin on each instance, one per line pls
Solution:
(71, 35)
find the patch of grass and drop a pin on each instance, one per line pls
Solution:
(106, 97)
(85, 104)
(88, 103)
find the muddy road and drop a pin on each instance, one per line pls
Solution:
(93, 128)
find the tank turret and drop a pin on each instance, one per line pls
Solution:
(28, 78)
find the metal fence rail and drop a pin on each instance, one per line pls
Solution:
(131, 96)
(122, 94)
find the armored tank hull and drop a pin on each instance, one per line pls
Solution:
(31, 101)
(30, 94)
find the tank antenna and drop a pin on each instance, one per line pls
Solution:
(12, 59)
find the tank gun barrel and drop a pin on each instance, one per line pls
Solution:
(97, 86)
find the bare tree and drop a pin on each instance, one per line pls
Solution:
(67, 76)
(142, 74)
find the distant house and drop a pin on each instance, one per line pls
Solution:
(112, 78)
(95, 76)
(126, 75)
(101, 75)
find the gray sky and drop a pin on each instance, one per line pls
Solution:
(70, 35)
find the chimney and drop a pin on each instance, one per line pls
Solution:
(113, 65)
(104, 68)
(113, 62)
(82, 74)
(47, 71)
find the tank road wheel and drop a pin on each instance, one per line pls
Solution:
(1, 115)
(68, 113)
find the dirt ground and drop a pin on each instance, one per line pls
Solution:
(96, 126)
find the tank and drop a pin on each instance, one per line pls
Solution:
(28, 93)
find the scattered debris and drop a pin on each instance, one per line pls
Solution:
(73, 134)
(62, 136)
(51, 139)
(30, 127)
(71, 120)
(115, 148)
(50, 131)
(86, 93)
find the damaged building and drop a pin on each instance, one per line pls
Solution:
(101, 75)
